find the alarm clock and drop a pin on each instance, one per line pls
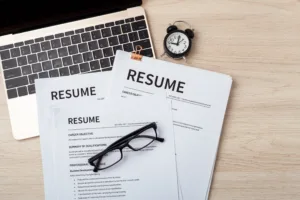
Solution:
(178, 43)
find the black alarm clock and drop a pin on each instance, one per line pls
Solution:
(178, 43)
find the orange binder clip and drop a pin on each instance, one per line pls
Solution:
(136, 55)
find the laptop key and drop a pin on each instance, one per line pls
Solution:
(45, 46)
(96, 35)
(12, 73)
(139, 17)
(119, 22)
(26, 70)
(77, 59)
(108, 52)
(83, 47)
(126, 28)
(4, 54)
(109, 24)
(64, 71)
(103, 43)
(95, 65)
(50, 37)
(129, 20)
(57, 63)
(74, 69)
(31, 89)
(144, 43)
(32, 58)
(73, 49)
(139, 25)
(107, 69)
(100, 26)
(123, 38)
(116, 48)
(143, 34)
(12, 94)
(47, 65)
(147, 52)
(86, 37)
(32, 77)
(22, 91)
(128, 47)
(93, 45)
(79, 31)
(67, 61)
(35, 48)
(53, 73)
(62, 52)
(29, 42)
(22, 61)
(112, 60)
(19, 44)
(106, 32)
(91, 28)
(41, 39)
(133, 36)
(59, 35)
(25, 50)
(66, 41)
(55, 43)
(44, 75)
(113, 41)
(69, 33)
(37, 67)
(104, 62)
(16, 82)
(52, 54)
(15, 52)
(42, 56)
(88, 56)
(75, 39)
(11, 63)
(84, 67)
(9, 46)
(98, 54)
(116, 30)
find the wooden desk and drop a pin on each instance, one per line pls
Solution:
(256, 42)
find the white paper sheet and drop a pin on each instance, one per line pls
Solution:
(199, 100)
(148, 174)
(51, 92)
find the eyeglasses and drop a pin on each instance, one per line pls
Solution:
(136, 141)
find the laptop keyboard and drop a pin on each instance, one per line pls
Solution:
(86, 50)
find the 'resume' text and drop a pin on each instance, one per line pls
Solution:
(73, 93)
(159, 82)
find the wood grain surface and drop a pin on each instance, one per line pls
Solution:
(257, 42)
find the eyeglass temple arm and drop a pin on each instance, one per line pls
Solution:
(151, 137)
(129, 136)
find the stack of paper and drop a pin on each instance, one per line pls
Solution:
(80, 116)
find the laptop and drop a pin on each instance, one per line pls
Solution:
(52, 38)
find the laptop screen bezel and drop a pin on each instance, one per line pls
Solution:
(21, 16)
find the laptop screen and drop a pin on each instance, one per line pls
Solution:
(17, 16)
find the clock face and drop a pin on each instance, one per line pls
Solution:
(177, 43)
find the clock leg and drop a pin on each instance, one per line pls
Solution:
(162, 55)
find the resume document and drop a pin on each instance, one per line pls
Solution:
(198, 99)
(83, 132)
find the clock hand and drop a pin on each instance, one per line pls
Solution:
(181, 41)
(178, 40)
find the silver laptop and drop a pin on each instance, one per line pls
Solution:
(62, 38)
